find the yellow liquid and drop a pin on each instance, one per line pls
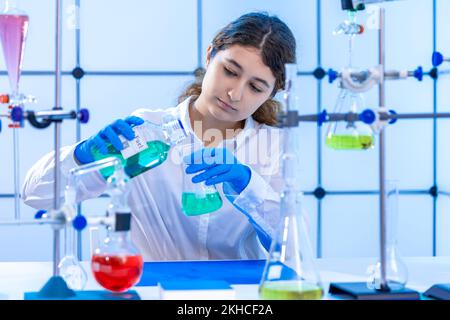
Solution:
(290, 290)
(350, 142)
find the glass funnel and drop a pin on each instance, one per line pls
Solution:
(13, 33)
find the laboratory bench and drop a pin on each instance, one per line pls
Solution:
(16, 278)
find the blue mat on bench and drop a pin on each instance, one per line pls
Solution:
(231, 271)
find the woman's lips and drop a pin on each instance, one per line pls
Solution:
(225, 105)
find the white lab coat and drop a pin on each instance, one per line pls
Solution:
(159, 227)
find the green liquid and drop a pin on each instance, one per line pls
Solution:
(154, 155)
(290, 290)
(349, 142)
(193, 205)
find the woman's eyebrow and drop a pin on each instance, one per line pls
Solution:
(237, 65)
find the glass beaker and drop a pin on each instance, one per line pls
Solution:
(117, 264)
(147, 150)
(197, 198)
(349, 135)
(396, 270)
(289, 273)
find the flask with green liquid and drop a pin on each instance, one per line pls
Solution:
(349, 135)
(197, 198)
(148, 149)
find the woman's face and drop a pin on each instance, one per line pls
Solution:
(236, 83)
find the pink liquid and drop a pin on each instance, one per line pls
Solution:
(13, 32)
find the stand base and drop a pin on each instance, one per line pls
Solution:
(438, 291)
(359, 291)
(57, 289)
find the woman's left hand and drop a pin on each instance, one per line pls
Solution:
(218, 165)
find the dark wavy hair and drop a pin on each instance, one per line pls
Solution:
(276, 43)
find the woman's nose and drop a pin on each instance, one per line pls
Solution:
(235, 94)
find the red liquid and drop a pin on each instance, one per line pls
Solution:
(13, 32)
(117, 273)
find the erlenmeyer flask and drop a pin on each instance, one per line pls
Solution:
(197, 198)
(290, 273)
(342, 135)
(13, 33)
(396, 270)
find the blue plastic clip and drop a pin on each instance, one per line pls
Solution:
(332, 75)
(322, 117)
(418, 73)
(367, 116)
(39, 214)
(79, 223)
(437, 59)
(17, 114)
(84, 115)
(392, 121)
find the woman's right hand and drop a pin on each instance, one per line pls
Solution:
(109, 134)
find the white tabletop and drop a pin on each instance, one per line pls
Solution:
(19, 277)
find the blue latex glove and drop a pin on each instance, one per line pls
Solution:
(109, 134)
(218, 165)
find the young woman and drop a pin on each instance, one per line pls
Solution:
(231, 112)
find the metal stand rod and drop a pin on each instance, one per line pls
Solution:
(382, 179)
(383, 116)
(57, 185)
(30, 222)
(16, 174)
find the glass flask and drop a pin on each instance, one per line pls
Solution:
(349, 135)
(396, 270)
(117, 264)
(197, 198)
(13, 34)
(148, 149)
(70, 267)
(289, 273)
(349, 27)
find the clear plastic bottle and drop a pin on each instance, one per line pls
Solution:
(117, 264)
(148, 149)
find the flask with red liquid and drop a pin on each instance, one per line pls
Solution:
(117, 264)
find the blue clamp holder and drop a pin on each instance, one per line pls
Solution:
(47, 117)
